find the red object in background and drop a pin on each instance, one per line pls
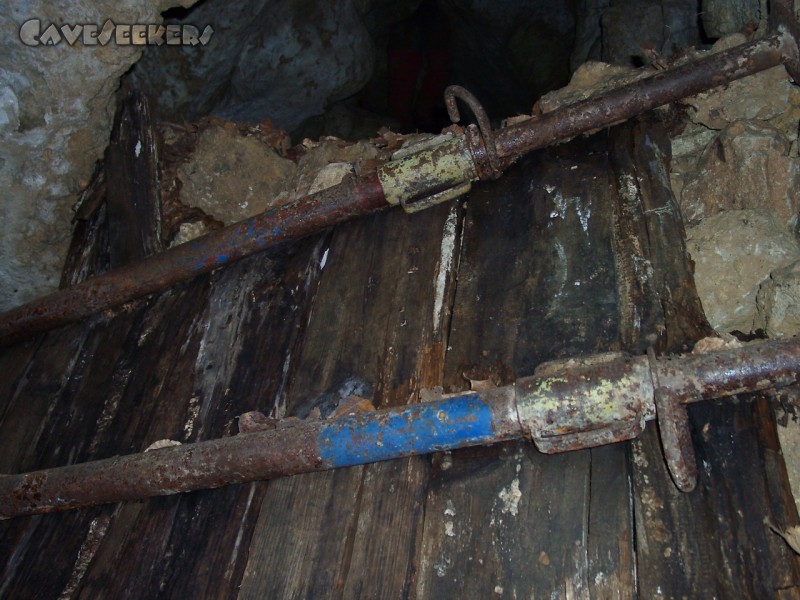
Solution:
(416, 84)
(432, 87)
(405, 66)
(419, 65)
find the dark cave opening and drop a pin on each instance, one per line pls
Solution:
(346, 69)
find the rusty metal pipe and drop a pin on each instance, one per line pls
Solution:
(630, 100)
(566, 405)
(314, 213)
(454, 422)
(748, 369)
(433, 174)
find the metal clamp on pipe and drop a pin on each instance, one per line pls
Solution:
(433, 171)
(585, 402)
(421, 176)
(566, 405)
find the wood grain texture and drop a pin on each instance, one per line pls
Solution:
(536, 281)
(659, 306)
(181, 366)
(133, 192)
(209, 368)
(88, 252)
(712, 542)
(552, 260)
(376, 330)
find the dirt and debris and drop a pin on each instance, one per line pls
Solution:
(217, 172)
(488, 374)
(734, 252)
(791, 536)
(352, 405)
(715, 344)
(254, 420)
(348, 406)
(159, 444)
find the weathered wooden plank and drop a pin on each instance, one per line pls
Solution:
(659, 306)
(609, 546)
(27, 418)
(15, 365)
(213, 365)
(376, 330)
(133, 196)
(41, 553)
(48, 416)
(181, 368)
(88, 252)
(48, 422)
(388, 530)
(52, 419)
(712, 542)
(375, 315)
(536, 274)
(389, 527)
(503, 522)
(73, 422)
(214, 546)
(536, 281)
(715, 541)
(664, 517)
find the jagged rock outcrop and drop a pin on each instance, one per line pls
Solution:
(56, 111)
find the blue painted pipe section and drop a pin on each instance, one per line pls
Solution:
(418, 429)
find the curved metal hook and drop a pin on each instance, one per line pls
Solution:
(673, 429)
(456, 91)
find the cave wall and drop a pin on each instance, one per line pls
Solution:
(283, 61)
(56, 110)
(313, 67)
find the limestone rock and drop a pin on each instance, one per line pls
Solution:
(734, 252)
(629, 25)
(329, 176)
(739, 148)
(591, 79)
(716, 343)
(779, 302)
(56, 110)
(189, 231)
(748, 165)
(766, 96)
(721, 17)
(285, 61)
(316, 168)
(233, 177)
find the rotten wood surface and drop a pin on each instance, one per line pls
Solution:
(133, 197)
(576, 250)
(536, 282)
(376, 330)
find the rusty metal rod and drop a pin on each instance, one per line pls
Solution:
(630, 100)
(454, 422)
(353, 197)
(397, 181)
(566, 405)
